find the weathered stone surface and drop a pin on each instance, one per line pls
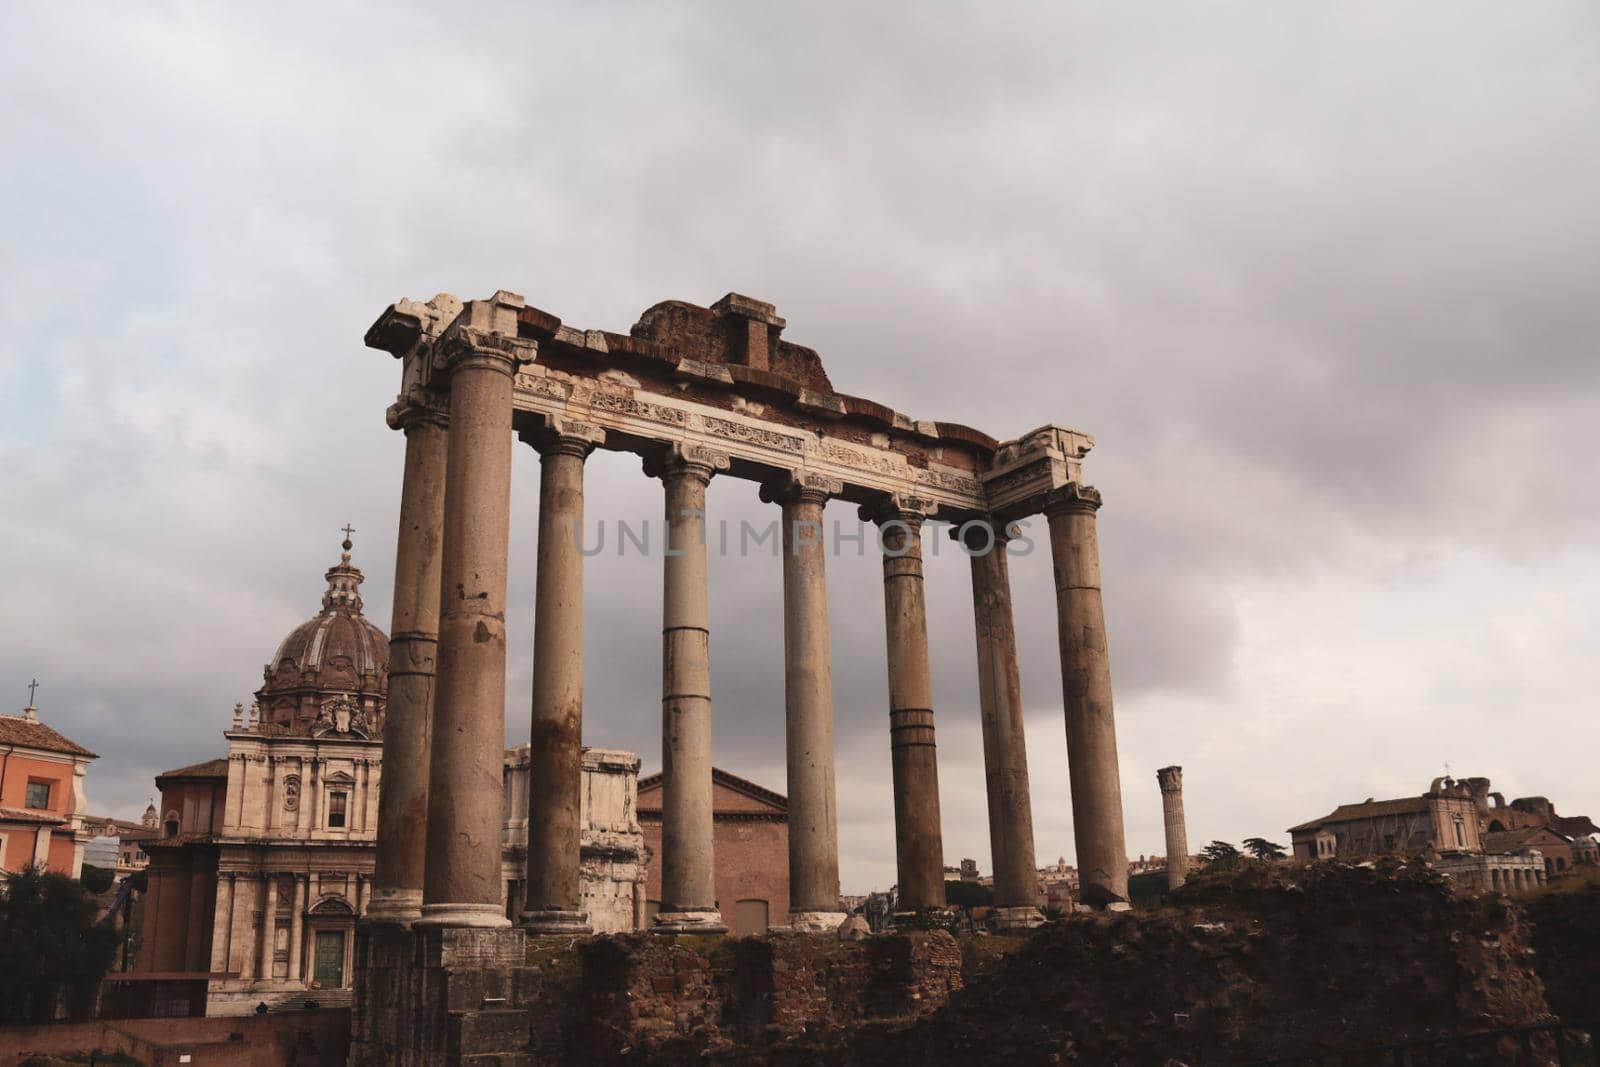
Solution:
(555, 796)
(1171, 781)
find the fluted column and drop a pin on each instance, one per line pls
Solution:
(919, 848)
(553, 901)
(688, 890)
(461, 886)
(1171, 782)
(1086, 687)
(808, 706)
(413, 647)
(1005, 748)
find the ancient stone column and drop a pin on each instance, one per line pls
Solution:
(1005, 751)
(919, 847)
(1171, 781)
(552, 900)
(461, 886)
(688, 891)
(1086, 687)
(413, 644)
(297, 928)
(808, 707)
(269, 930)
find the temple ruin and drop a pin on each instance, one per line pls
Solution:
(696, 393)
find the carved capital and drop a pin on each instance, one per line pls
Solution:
(983, 533)
(1170, 779)
(901, 508)
(798, 487)
(1071, 499)
(469, 346)
(560, 436)
(416, 407)
(684, 460)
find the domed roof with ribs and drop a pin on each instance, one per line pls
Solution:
(334, 659)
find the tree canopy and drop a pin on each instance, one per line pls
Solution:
(1220, 855)
(1262, 849)
(50, 946)
(967, 894)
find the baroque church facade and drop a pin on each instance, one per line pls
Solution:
(263, 859)
(261, 862)
(265, 856)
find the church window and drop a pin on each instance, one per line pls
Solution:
(1461, 834)
(38, 794)
(336, 808)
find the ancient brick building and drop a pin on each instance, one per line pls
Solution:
(751, 870)
(1478, 837)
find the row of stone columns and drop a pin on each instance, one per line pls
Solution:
(438, 859)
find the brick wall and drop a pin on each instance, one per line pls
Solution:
(751, 861)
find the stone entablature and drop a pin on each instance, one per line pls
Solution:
(670, 384)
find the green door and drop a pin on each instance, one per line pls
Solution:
(330, 958)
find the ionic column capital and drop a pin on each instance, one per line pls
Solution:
(800, 488)
(983, 534)
(469, 346)
(901, 508)
(1071, 499)
(418, 407)
(561, 436)
(687, 461)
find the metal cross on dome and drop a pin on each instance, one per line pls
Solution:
(33, 685)
(348, 530)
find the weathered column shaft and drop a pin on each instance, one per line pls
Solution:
(688, 889)
(462, 882)
(269, 929)
(1171, 782)
(1086, 686)
(413, 646)
(919, 847)
(553, 900)
(297, 928)
(1005, 748)
(808, 714)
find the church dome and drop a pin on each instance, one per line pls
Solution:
(331, 673)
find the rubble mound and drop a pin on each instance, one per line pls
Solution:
(1270, 961)
(1566, 940)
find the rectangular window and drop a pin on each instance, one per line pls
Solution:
(1461, 834)
(38, 794)
(336, 808)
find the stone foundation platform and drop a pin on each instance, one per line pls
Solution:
(442, 997)
(431, 996)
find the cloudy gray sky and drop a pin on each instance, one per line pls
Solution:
(1320, 280)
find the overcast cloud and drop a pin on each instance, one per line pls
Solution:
(1319, 279)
